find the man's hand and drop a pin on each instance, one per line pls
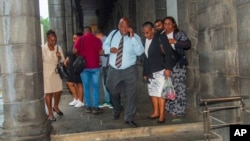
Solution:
(172, 41)
(101, 52)
(131, 32)
(113, 50)
(58, 54)
(66, 62)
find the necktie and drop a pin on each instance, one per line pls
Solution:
(118, 61)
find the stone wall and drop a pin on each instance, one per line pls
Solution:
(188, 22)
(58, 22)
(69, 24)
(217, 43)
(243, 40)
(218, 60)
(243, 59)
(160, 9)
(145, 12)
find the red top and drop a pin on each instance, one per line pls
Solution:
(88, 46)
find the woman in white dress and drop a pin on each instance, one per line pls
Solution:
(51, 53)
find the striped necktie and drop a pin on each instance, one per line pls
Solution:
(118, 61)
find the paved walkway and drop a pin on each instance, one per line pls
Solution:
(75, 120)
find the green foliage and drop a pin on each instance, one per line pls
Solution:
(45, 23)
(46, 27)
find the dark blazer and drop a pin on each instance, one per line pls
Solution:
(182, 43)
(154, 62)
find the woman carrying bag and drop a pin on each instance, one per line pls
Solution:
(51, 53)
(180, 43)
(156, 69)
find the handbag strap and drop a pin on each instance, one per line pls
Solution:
(81, 44)
(56, 53)
(107, 63)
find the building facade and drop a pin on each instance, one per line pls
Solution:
(218, 60)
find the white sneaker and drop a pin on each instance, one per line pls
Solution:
(74, 102)
(79, 104)
(105, 104)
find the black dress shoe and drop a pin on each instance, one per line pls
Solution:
(161, 121)
(116, 116)
(116, 113)
(151, 118)
(131, 124)
(58, 112)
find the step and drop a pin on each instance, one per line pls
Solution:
(182, 136)
(178, 132)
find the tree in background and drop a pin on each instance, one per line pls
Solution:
(45, 24)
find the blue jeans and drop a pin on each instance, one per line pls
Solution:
(106, 93)
(90, 79)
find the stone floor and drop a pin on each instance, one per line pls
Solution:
(75, 120)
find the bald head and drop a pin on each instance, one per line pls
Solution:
(126, 20)
(123, 26)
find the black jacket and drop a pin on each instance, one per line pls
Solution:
(155, 60)
(182, 44)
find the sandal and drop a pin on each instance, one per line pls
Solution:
(58, 112)
(52, 119)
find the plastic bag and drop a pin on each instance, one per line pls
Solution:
(168, 91)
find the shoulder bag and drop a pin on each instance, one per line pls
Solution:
(61, 69)
(79, 63)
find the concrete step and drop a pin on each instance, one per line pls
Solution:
(178, 132)
(182, 136)
(76, 125)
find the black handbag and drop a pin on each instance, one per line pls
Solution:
(79, 64)
(61, 69)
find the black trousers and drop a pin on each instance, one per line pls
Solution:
(118, 80)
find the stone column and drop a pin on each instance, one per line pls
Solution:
(21, 72)
(69, 24)
(57, 21)
(160, 9)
